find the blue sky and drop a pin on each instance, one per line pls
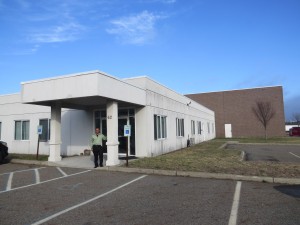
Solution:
(190, 46)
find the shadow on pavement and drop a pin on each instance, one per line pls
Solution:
(292, 190)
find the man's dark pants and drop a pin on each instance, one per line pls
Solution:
(98, 152)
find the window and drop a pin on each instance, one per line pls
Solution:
(100, 121)
(97, 119)
(45, 136)
(22, 130)
(208, 127)
(213, 128)
(179, 127)
(160, 127)
(123, 112)
(193, 127)
(199, 127)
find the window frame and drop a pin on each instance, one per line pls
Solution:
(179, 127)
(23, 136)
(193, 131)
(160, 127)
(199, 127)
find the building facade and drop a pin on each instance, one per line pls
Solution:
(69, 108)
(234, 114)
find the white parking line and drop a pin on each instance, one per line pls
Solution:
(9, 182)
(62, 172)
(37, 176)
(235, 204)
(30, 185)
(86, 202)
(19, 171)
(295, 155)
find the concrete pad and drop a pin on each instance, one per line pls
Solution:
(77, 162)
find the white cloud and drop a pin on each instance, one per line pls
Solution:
(24, 51)
(34, 48)
(66, 32)
(137, 29)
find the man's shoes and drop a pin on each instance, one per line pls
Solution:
(101, 165)
(95, 166)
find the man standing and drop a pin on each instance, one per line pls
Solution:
(96, 145)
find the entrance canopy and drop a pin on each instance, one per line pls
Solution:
(82, 90)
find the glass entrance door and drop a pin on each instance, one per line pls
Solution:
(132, 137)
(126, 142)
(123, 141)
(124, 119)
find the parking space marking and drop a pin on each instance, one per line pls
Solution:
(294, 155)
(62, 172)
(19, 171)
(37, 176)
(30, 185)
(86, 202)
(235, 204)
(9, 182)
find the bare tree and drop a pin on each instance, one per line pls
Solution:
(296, 117)
(264, 112)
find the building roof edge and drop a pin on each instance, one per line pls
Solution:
(235, 90)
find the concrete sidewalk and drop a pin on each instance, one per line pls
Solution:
(84, 162)
(87, 162)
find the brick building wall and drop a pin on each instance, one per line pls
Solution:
(235, 108)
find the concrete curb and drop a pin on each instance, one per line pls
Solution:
(236, 177)
(223, 146)
(43, 163)
(32, 162)
(228, 143)
(243, 156)
(286, 181)
(275, 180)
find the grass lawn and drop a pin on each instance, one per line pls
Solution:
(208, 157)
(280, 140)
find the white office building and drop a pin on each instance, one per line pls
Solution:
(70, 107)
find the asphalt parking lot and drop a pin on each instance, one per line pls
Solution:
(59, 195)
(275, 153)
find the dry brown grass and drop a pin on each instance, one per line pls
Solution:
(208, 157)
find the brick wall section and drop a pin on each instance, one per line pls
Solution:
(235, 108)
